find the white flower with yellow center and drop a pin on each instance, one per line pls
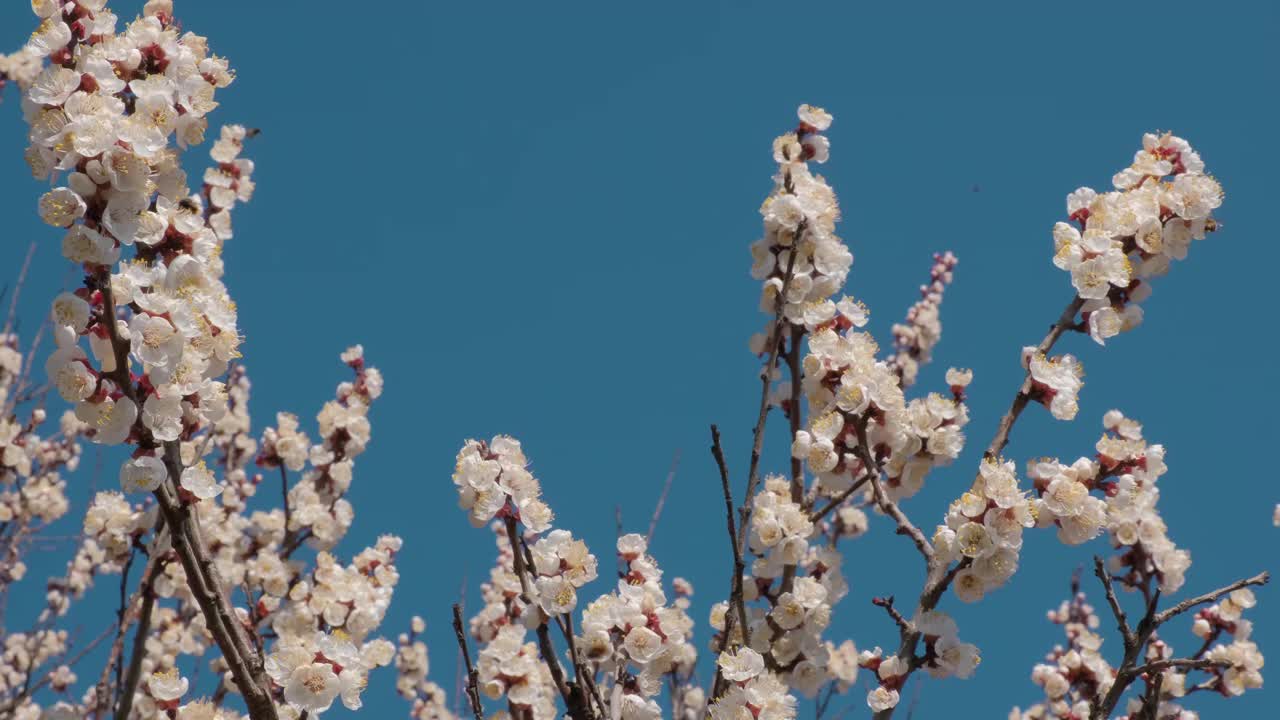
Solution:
(142, 474)
(312, 688)
(61, 206)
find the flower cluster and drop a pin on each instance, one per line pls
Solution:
(752, 691)
(1073, 675)
(509, 666)
(914, 340)
(850, 392)
(1239, 663)
(634, 631)
(316, 668)
(20, 67)
(561, 566)
(847, 389)
(800, 258)
(427, 700)
(492, 479)
(105, 111)
(799, 582)
(1124, 471)
(32, 487)
(1077, 680)
(983, 530)
(1161, 203)
(321, 513)
(1055, 382)
(780, 529)
(945, 656)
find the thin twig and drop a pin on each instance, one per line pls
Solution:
(887, 604)
(736, 602)
(1261, 578)
(837, 500)
(887, 506)
(662, 499)
(1122, 620)
(1065, 321)
(473, 694)
(147, 591)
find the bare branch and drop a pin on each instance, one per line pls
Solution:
(736, 602)
(146, 590)
(838, 500)
(662, 499)
(887, 604)
(887, 506)
(1158, 666)
(473, 694)
(1261, 578)
(1122, 620)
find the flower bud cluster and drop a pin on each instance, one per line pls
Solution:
(914, 340)
(1075, 675)
(427, 699)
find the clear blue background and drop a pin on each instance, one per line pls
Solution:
(536, 218)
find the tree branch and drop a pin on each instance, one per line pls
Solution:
(146, 590)
(1122, 620)
(1261, 578)
(739, 567)
(1065, 321)
(473, 694)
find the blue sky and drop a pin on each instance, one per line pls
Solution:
(536, 219)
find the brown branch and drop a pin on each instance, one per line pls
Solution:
(17, 287)
(1137, 640)
(1065, 321)
(1157, 666)
(887, 506)
(739, 567)
(766, 382)
(736, 602)
(207, 588)
(147, 591)
(1260, 579)
(284, 493)
(473, 694)
(887, 604)
(202, 575)
(521, 561)
(837, 500)
(1122, 620)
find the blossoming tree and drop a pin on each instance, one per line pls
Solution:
(218, 571)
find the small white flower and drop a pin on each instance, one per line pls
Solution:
(142, 474)
(71, 311)
(200, 482)
(642, 644)
(61, 206)
(168, 686)
(882, 698)
(741, 665)
(312, 688)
